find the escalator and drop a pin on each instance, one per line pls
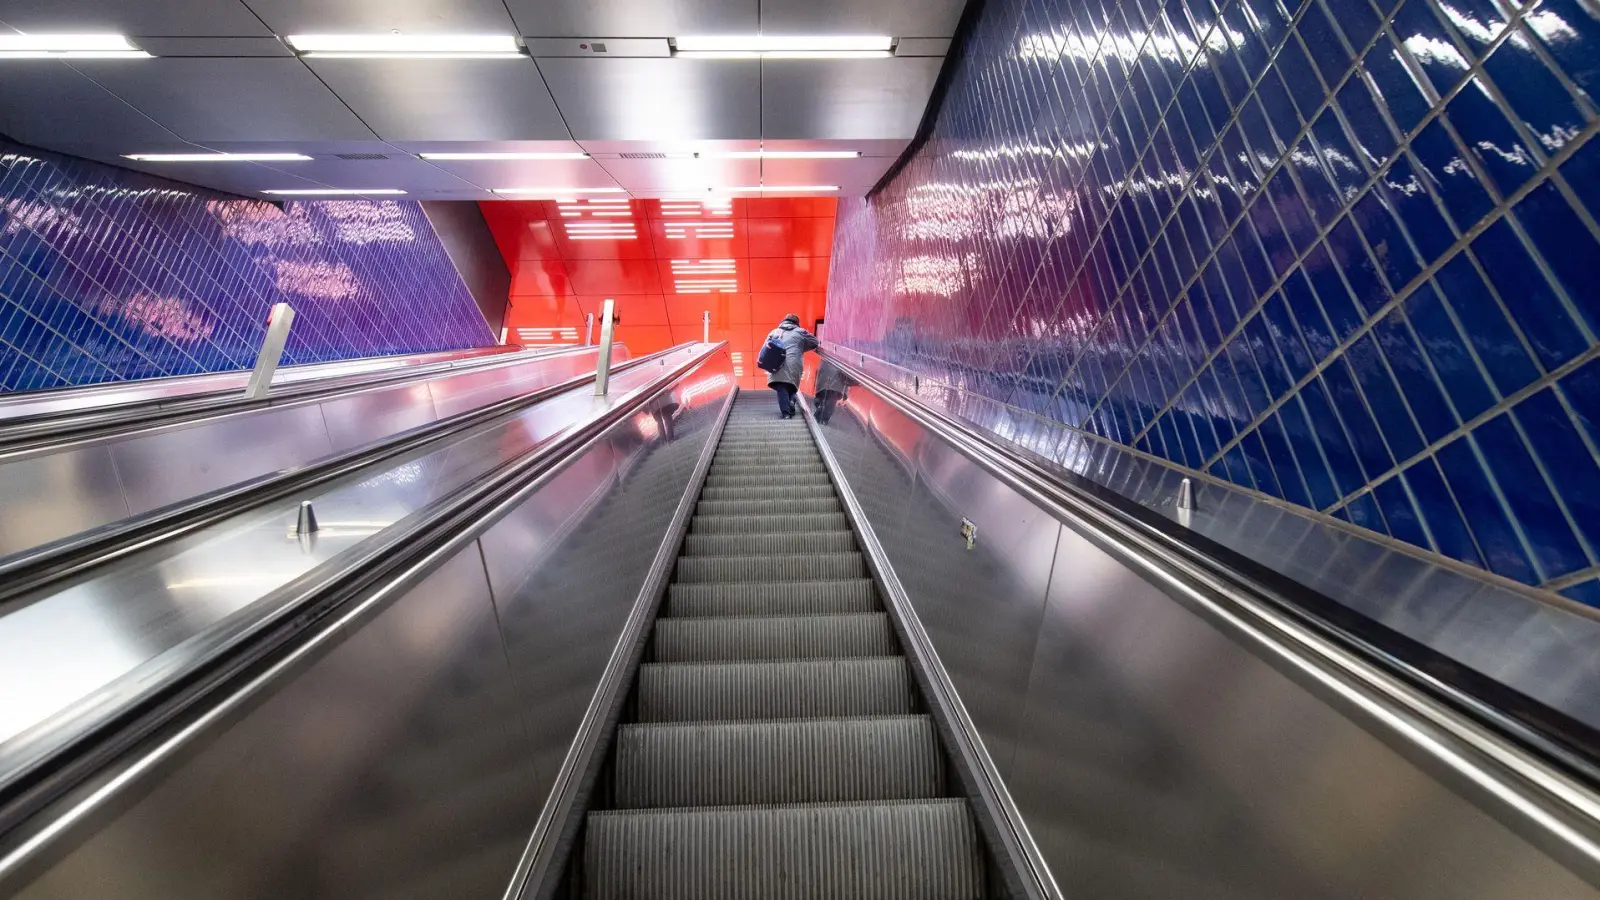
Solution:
(776, 745)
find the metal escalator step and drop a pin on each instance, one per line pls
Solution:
(840, 541)
(767, 458)
(756, 479)
(820, 566)
(757, 507)
(773, 490)
(891, 850)
(720, 524)
(793, 689)
(790, 598)
(748, 638)
(803, 467)
(741, 763)
(766, 441)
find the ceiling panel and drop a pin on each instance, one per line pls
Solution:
(247, 179)
(846, 173)
(896, 18)
(446, 99)
(134, 17)
(440, 16)
(891, 147)
(214, 46)
(844, 99)
(232, 99)
(101, 125)
(404, 172)
(658, 99)
(686, 175)
(601, 147)
(492, 174)
(635, 18)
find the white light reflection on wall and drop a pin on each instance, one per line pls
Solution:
(368, 221)
(321, 280)
(163, 317)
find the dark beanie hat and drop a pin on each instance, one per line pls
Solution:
(791, 317)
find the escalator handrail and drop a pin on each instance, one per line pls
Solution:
(1545, 778)
(24, 574)
(56, 432)
(88, 775)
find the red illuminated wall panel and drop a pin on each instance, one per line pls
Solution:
(665, 263)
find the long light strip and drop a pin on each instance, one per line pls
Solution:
(783, 54)
(406, 46)
(336, 192)
(68, 46)
(558, 192)
(494, 156)
(766, 43)
(216, 157)
(784, 154)
(794, 188)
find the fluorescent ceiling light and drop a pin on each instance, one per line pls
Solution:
(785, 154)
(486, 156)
(783, 54)
(217, 157)
(335, 192)
(762, 43)
(407, 46)
(559, 191)
(68, 46)
(795, 188)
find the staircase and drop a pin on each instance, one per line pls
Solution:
(775, 747)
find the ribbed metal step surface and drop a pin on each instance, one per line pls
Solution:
(775, 747)
(811, 760)
(781, 598)
(906, 850)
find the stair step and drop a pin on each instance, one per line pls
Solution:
(893, 850)
(747, 638)
(771, 491)
(794, 689)
(757, 479)
(760, 507)
(760, 567)
(771, 469)
(769, 524)
(769, 544)
(784, 598)
(806, 761)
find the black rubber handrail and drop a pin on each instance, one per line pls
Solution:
(76, 781)
(24, 574)
(31, 434)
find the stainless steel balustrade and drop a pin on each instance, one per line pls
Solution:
(1141, 726)
(77, 485)
(403, 745)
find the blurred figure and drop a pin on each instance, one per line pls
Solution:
(785, 380)
(831, 388)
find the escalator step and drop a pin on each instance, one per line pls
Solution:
(821, 566)
(759, 524)
(769, 544)
(808, 761)
(792, 598)
(774, 471)
(742, 639)
(798, 689)
(898, 850)
(758, 507)
(757, 479)
(770, 491)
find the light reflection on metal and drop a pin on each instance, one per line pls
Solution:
(369, 222)
(163, 317)
(319, 280)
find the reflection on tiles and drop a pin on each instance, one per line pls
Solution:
(107, 274)
(1334, 252)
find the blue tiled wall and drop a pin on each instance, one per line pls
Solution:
(106, 274)
(1339, 252)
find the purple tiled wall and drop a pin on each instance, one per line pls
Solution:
(1336, 252)
(107, 274)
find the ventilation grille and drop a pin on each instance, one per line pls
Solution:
(361, 156)
(642, 155)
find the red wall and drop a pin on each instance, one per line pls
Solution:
(664, 262)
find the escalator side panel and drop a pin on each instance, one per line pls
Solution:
(1150, 754)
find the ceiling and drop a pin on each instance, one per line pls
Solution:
(223, 80)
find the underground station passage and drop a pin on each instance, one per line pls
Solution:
(797, 450)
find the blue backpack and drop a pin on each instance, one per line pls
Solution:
(772, 355)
